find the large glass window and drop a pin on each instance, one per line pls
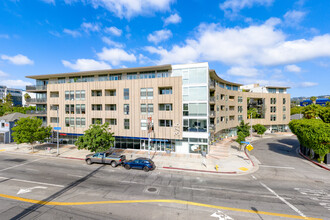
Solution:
(96, 92)
(115, 77)
(132, 76)
(147, 75)
(143, 93)
(194, 76)
(110, 107)
(126, 93)
(195, 125)
(88, 79)
(165, 107)
(197, 93)
(103, 77)
(165, 123)
(96, 107)
(61, 80)
(271, 90)
(111, 121)
(165, 91)
(143, 108)
(110, 92)
(281, 90)
(195, 109)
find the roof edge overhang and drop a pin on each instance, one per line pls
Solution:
(214, 75)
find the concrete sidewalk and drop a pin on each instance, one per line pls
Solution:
(232, 161)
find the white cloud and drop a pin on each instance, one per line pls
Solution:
(115, 56)
(243, 71)
(292, 18)
(293, 68)
(112, 43)
(131, 8)
(4, 36)
(307, 84)
(114, 31)
(72, 33)
(232, 7)
(251, 46)
(15, 83)
(3, 74)
(18, 59)
(86, 64)
(158, 36)
(49, 1)
(89, 27)
(172, 19)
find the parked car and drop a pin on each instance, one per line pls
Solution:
(107, 157)
(140, 163)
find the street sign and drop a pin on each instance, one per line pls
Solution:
(249, 147)
(57, 128)
(245, 142)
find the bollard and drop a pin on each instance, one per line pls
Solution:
(217, 167)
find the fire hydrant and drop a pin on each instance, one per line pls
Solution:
(217, 167)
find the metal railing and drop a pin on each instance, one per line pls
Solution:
(35, 87)
(32, 112)
(212, 99)
(211, 127)
(212, 113)
(212, 85)
(34, 100)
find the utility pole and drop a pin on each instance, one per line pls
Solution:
(251, 126)
(58, 145)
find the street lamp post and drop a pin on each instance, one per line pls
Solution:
(251, 126)
(58, 144)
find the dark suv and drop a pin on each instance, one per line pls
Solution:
(140, 163)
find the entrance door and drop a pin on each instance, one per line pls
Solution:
(2, 138)
(144, 145)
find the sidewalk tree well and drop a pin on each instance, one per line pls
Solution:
(97, 138)
(313, 134)
(260, 129)
(240, 138)
(29, 130)
(244, 128)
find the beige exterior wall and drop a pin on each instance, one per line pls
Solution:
(134, 102)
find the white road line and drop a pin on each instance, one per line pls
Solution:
(21, 164)
(283, 200)
(291, 168)
(28, 181)
(75, 175)
(254, 177)
(193, 188)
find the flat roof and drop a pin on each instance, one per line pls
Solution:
(278, 87)
(99, 72)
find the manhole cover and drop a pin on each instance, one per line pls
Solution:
(152, 189)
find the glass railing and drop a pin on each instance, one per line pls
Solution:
(34, 87)
(36, 112)
(34, 100)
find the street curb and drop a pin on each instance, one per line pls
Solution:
(72, 158)
(316, 163)
(203, 171)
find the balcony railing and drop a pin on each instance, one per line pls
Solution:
(32, 112)
(212, 99)
(211, 127)
(33, 100)
(212, 113)
(34, 87)
(212, 85)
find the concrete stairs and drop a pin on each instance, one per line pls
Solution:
(220, 150)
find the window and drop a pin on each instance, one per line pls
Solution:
(222, 118)
(54, 94)
(232, 118)
(240, 118)
(110, 107)
(150, 93)
(144, 124)
(132, 76)
(78, 109)
(67, 109)
(147, 75)
(271, 90)
(143, 93)
(235, 88)
(231, 108)
(284, 116)
(126, 93)
(272, 108)
(54, 120)
(239, 109)
(103, 77)
(273, 101)
(228, 87)
(284, 109)
(284, 101)
(231, 98)
(115, 77)
(87, 79)
(83, 109)
(218, 120)
(82, 95)
(162, 73)
(67, 122)
(83, 122)
(110, 92)
(96, 121)
(126, 123)
(165, 123)
(165, 107)
(54, 107)
(71, 109)
(165, 91)
(111, 121)
(195, 109)
(61, 80)
(272, 117)
(67, 95)
(126, 109)
(222, 97)
(218, 108)
(143, 108)
(96, 92)
(240, 99)
(78, 122)
(222, 85)
(150, 108)
(78, 95)
(71, 122)
(96, 107)
(281, 90)
(195, 125)
(71, 95)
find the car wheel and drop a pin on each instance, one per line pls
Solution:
(88, 161)
(127, 167)
(113, 164)
(146, 169)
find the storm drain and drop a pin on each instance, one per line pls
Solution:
(152, 190)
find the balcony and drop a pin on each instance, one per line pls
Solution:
(36, 113)
(212, 114)
(36, 101)
(211, 127)
(35, 88)
(212, 99)
(212, 85)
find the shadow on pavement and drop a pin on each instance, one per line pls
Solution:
(33, 208)
(284, 146)
(256, 210)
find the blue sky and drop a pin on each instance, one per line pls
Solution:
(272, 42)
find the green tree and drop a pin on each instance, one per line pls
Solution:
(260, 129)
(313, 99)
(327, 104)
(325, 114)
(312, 111)
(240, 138)
(29, 130)
(252, 111)
(97, 138)
(296, 110)
(27, 97)
(244, 128)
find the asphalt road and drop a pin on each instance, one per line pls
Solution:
(285, 187)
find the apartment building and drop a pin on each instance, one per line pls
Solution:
(188, 105)
(16, 94)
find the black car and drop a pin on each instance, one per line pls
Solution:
(140, 163)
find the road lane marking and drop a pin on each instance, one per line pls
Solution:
(75, 175)
(283, 200)
(243, 168)
(2, 150)
(26, 190)
(277, 167)
(254, 177)
(221, 216)
(28, 181)
(8, 168)
(155, 201)
(193, 188)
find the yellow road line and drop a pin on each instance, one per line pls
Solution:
(154, 201)
(2, 150)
